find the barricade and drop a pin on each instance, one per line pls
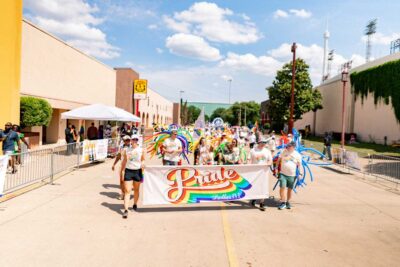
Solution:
(43, 164)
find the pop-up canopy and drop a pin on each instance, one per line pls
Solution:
(100, 112)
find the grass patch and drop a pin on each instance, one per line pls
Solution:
(361, 148)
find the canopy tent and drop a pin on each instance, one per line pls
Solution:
(100, 112)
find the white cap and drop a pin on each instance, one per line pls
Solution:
(135, 136)
(126, 137)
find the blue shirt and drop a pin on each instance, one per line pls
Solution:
(10, 138)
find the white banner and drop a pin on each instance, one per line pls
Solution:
(3, 170)
(194, 184)
(93, 150)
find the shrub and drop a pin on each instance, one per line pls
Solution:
(35, 112)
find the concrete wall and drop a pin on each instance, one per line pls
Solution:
(124, 88)
(155, 109)
(52, 69)
(10, 60)
(370, 122)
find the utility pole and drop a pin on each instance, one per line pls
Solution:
(240, 115)
(293, 50)
(245, 120)
(229, 92)
(181, 104)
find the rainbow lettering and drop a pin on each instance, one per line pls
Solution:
(189, 185)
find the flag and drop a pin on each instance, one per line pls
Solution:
(200, 123)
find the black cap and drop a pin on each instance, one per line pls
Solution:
(291, 144)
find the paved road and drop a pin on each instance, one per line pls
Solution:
(336, 221)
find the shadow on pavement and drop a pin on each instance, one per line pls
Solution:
(110, 194)
(114, 207)
(108, 186)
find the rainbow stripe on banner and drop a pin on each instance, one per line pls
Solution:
(188, 186)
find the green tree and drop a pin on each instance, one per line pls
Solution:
(192, 114)
(242, 113)
(305, 98)
(219, 112)
(34, 112)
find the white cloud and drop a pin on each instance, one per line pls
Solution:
(313, 56)
(75, 22)
(382, 39)
(152, 27)
(159, 50)
(182, 27)
(192, 46)
(264, 65)
(211, 22)
(301, 13)
(280, 14)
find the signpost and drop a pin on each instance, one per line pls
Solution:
(140, 89)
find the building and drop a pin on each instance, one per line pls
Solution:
(371, 122)
(64, 76)
(10, 54)
(155, 109)
(209, 107)
(264, 115)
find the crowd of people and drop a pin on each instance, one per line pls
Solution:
(215, 146)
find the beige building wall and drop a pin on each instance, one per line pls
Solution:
(155, 109)
(64, 76)
(370, 122)
(52, 69)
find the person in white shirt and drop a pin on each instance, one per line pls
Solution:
(260, 155)
(172, 149)
(252, 139)
(272, 144)
(290, 166)
(132, 166)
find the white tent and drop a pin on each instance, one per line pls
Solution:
(100, 112)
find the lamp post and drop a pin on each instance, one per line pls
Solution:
(180, 106)
(229, 92)
(345, 77)
(293, 50)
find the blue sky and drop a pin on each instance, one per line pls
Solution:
(197, 46)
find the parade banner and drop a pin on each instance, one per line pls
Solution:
(93, 150)
(3, 170)
(195, 184)
(140, 89)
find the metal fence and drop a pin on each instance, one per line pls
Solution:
(43, 164)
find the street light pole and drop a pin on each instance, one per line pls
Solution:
(345, 74)
(180, 106)
(292, 92)
(229, 92)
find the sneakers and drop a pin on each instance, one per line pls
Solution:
(125, 214)
(288, 206)
(134, 207)
(282, 206)
(262, 208)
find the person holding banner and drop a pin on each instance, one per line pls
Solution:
(259, 154)
(289, 164)
(172, 148)
(132, 167)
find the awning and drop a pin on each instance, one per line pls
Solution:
(100, 112)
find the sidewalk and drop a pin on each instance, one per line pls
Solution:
(337, 220)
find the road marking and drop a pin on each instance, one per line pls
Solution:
(230, 248)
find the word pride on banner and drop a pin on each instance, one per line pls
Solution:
(195, 184)
(3, 170)
(94, 150)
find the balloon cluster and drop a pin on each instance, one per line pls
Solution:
(155, 142)
(306, 160)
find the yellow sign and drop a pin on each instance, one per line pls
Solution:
(140, 89)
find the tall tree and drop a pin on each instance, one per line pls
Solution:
(241, 113)
(192, 114)
(306, 99)
(219, 112)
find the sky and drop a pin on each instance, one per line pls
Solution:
(197, 47)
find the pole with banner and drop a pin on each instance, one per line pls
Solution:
(139, 93)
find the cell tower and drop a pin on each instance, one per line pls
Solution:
(369, 31)
(395, 46)
(326, 38)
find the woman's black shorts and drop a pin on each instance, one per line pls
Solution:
(133, 175)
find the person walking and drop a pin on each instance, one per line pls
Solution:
(92, 132)
(21, 149)
(327, 146)
(9, 138)
(126, 144)
(289, 165)
(132, 170)
(172, 149)
(262, 156)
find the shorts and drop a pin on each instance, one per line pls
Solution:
(170, 163)
(133, 175)
(8, 152)
(286, 181)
